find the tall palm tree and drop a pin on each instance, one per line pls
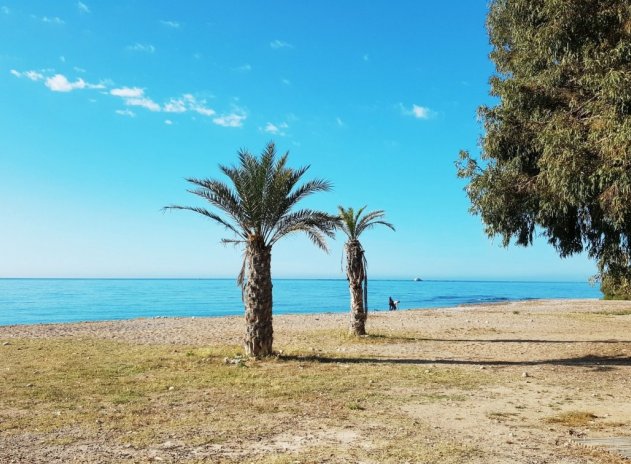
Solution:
(353, 224)
(257, 209)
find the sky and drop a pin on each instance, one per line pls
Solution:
(106, 107)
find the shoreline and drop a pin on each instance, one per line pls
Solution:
(228, 330)
(499, 302)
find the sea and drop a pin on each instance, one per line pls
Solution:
(36, 301)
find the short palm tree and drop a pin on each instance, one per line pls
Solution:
(257, 209)
(353, 224)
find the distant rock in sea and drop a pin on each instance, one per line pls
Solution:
(418, 279)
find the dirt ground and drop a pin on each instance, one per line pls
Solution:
(533, 379)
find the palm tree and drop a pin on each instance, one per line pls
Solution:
(353, 224)
(257, 209)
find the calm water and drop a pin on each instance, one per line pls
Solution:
(29, 301)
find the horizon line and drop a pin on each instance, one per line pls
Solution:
(391, 279)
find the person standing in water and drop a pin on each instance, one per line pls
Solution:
(392, 305)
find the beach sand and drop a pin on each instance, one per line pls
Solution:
(546, 375)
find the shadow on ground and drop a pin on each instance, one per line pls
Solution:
(398, 338)
(584, 361)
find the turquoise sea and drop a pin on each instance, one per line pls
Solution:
(31, 301)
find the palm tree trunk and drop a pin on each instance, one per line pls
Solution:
(259, 333)
(355, 271)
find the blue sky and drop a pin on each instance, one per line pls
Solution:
(108, 106)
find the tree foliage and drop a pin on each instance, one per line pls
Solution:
(556, 149)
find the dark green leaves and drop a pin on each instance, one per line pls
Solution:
(557, 146)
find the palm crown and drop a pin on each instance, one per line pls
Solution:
(258, 207)
(353, 224)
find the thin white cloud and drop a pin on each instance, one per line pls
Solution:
(420, 112)
(171, 24)
(244, 68)
(271, 128)
(188, 102)
(83, 8)
(135, 96)
(5, 10)
(143, 48)
(175, 105)
(276, 129)
(32, 75)
(366, 57)
(286, 81)
(126, 112)
(60, 83)
(417, 111)
(277, 44)
(230, 120)
(78, 69)
(143, 102)
(127, 92)
(204, 111)
(51, 20)
(199, 106)
(168, 122)
(339, 122)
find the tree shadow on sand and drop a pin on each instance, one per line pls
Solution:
(598, 362)
(405, 339)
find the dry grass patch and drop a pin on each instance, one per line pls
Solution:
(72, 392)
(502, 416)
(621, 312)
(595, 316)
(572, 418)
(323, 340)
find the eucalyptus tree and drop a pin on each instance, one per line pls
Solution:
(258, 209)
(353, 223)
(556, 152)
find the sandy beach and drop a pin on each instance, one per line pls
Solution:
(536, 381)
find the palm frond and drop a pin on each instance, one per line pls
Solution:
(242, 272)
(358, 214)
(221, 196)
(318, 239)
(308, 188)
(283, 199)
(313, 223)
(208, 214)
(347, 221)
(228, 241)
(370, 220)
(353, 224)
